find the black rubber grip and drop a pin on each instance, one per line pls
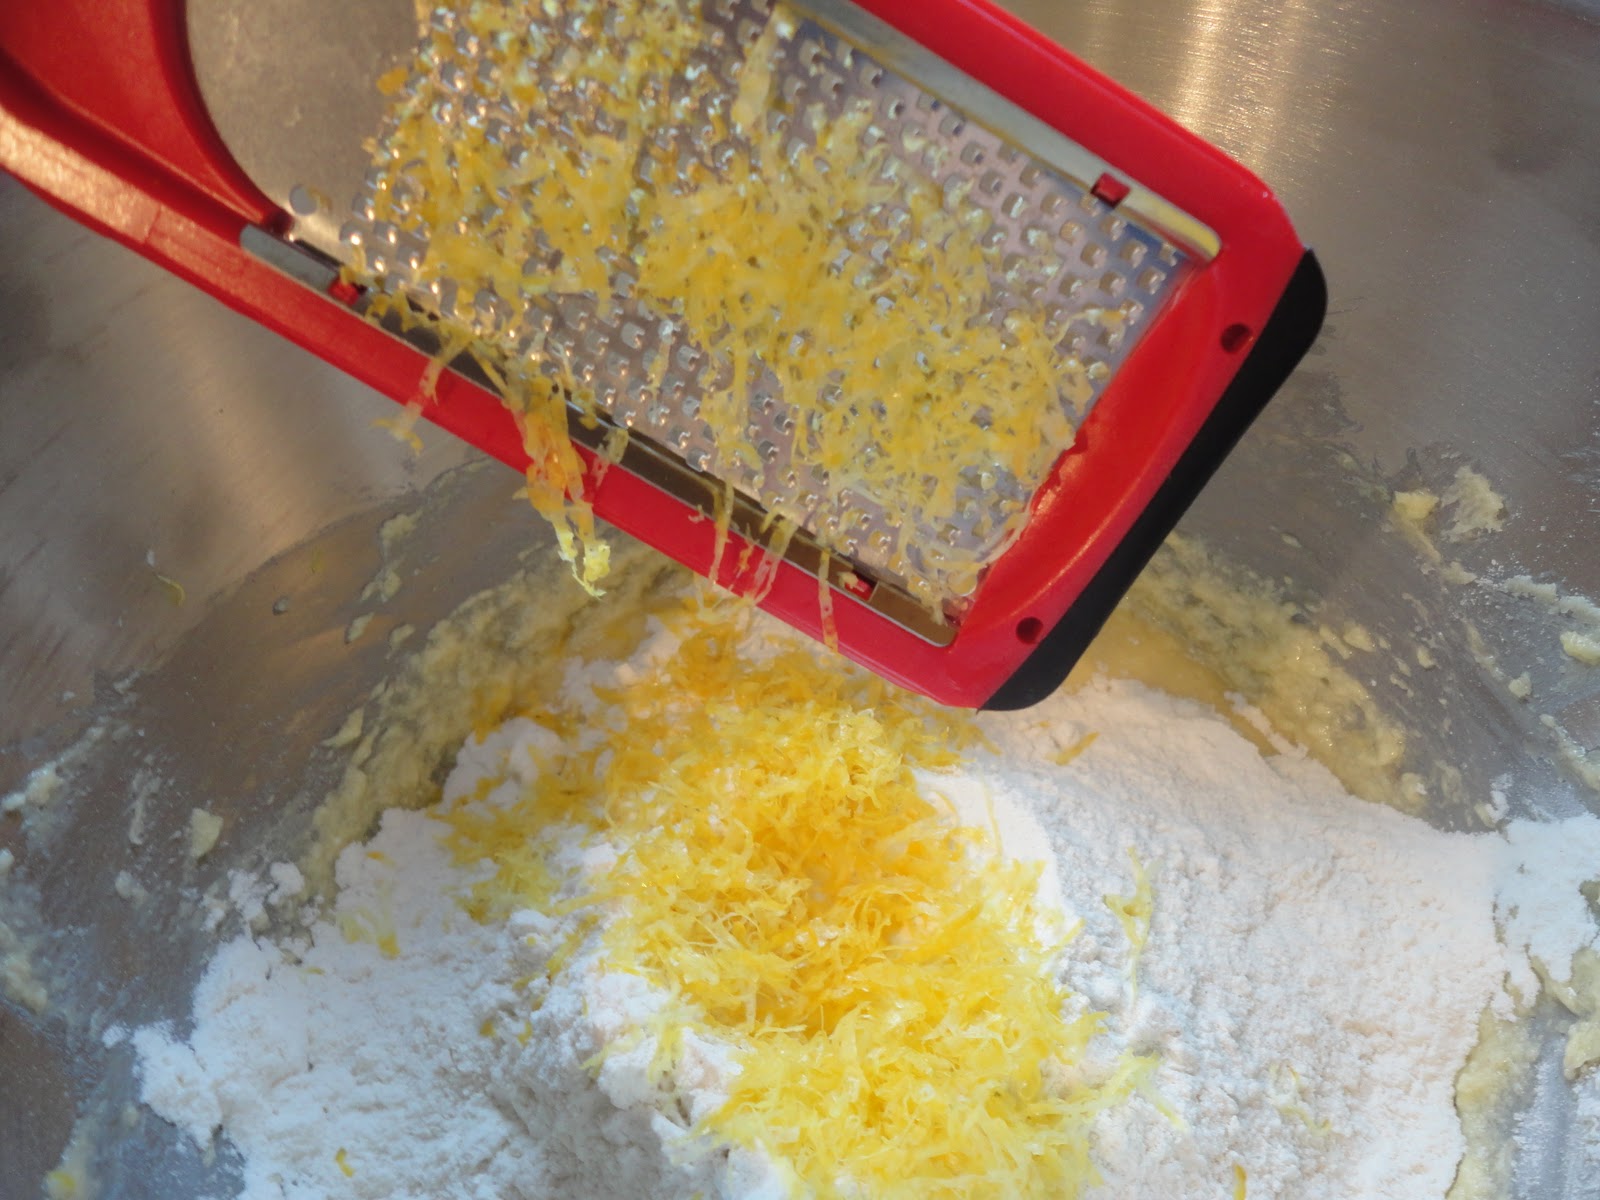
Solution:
(1284, 340)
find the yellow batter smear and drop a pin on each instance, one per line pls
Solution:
(1478, 508)
(1498, 1066)
(1581, 647)
(1245, 633)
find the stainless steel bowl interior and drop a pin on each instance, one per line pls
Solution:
(1440, 156)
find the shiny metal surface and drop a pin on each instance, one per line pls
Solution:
(1442, 159)
(1090, 280)
(140, 421)
(1440, 155)
(285, 81)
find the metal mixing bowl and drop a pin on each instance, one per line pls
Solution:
(1440, 155)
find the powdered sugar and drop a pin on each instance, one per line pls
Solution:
(1311, 983)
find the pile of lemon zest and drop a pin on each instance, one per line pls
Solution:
(1063, 757)
(1240, 1186)
(487, 1028)
(784, 882)
(343, 1160)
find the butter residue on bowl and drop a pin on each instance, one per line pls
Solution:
(499, 651)
(1231, 628)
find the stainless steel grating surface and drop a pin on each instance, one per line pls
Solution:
(1094, 276)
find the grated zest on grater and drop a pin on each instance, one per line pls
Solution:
(515, 127)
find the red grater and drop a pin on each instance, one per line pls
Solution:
(104, 110)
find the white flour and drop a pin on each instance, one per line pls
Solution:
(1315, 966)
(1312, 981)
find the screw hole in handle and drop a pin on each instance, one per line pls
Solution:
(1235, 337)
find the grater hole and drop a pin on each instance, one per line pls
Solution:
(1234, 338)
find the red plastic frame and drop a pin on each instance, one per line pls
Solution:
(100, 113)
